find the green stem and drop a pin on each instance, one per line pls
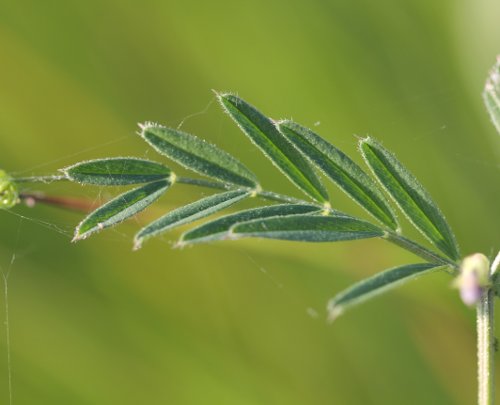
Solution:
(419, 250)
(39, 179)
(485, 348)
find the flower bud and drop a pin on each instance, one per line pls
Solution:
(8, 191)
(474, 277)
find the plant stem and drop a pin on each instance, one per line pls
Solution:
(485, 348)
(40, 179)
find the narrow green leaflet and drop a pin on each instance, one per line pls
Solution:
(195, 154)
(308, 228)
(116, 171)
(120, 208)
(491, 94)
(375, 285)
(189, 213)
(341, 170)
(276, 147)
(218, 229)
(410, 196)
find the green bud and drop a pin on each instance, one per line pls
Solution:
(8, 191)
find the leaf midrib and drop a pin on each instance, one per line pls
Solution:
(413, 203)
(205, 160)
(352, 181)
(269, 142)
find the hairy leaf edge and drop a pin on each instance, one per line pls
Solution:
(338, 305)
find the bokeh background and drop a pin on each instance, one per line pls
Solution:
(239, 323)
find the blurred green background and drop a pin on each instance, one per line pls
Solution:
(242, 322)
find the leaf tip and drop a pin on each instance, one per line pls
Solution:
(220, 94)
(224, 98)
(142, 127)
(493, 79)
(491, 94)
(64, 171)
(223, 94)
(231, 234)
(365, 140)
(180, 244)
(334, 311)
(217, 93)
(145, 126)
(78, 236)
(137, 244)
(283, 122)
(363, 143)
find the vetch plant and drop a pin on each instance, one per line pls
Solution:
(300, 154)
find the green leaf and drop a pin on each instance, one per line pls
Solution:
(116, 171)
(276, 147)
(218, 229)
(120, 208)
(491, 94)
(308, 228)
(341, 170)
(375, 285)
(410, 196)
(189, 213)
(195, 154)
